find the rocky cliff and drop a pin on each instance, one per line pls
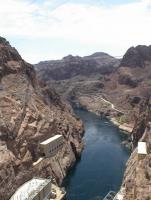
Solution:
(129, 89)
(137, 56)
(30, 112)
(137, 178)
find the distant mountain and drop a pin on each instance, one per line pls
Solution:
(71, 66)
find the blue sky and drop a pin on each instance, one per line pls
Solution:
(51, 29)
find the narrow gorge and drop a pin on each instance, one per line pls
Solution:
(96, 94)
(115, 89)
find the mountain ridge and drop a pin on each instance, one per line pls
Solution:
(71, 66)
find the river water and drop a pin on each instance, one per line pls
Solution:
(102, 163)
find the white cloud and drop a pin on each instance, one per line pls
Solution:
(114, 28)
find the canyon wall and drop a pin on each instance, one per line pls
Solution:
(137, 177)
(30, 113)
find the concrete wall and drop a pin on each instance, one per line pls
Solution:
(141, 156)
(42, 194)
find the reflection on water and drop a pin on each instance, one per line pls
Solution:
(102, 163)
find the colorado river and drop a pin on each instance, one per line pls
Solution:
(102, 163)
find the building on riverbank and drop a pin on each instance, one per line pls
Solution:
(39, 189)
(141, 150)
(34, 189)
(51, 146)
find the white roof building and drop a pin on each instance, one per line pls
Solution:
(36, 188)
(48, 141)
(142, 149)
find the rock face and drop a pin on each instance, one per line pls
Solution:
(137, 56)
(134, 75)
(130, 82)
(30, 112)
(135, 66)
(137, 178)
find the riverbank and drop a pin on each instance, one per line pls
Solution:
(105, 109)
(127, 128)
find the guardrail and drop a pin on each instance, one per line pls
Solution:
(110, 196)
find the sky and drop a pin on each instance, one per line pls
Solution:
(51, 29)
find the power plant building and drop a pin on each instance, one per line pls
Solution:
(35, 189)
(51, 146)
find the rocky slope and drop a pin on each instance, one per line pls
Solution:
(137, 178)
(30, 112)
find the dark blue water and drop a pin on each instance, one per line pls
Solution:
(102, 163)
